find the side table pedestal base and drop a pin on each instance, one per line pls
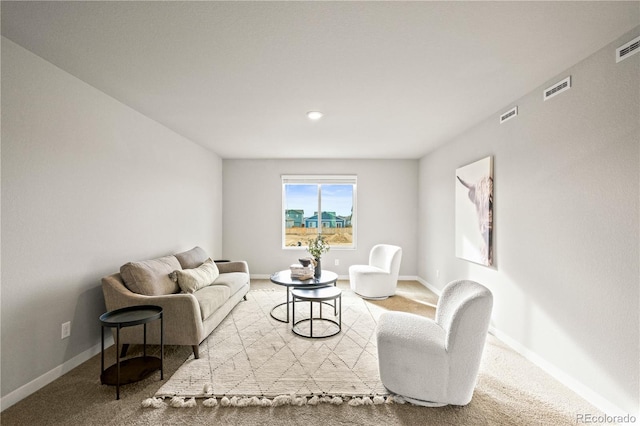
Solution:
(131, 370)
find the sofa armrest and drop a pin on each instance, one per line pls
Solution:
(235, 266)
(181, 312)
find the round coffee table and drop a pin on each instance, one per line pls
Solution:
(132, 369)
(319, 295)
(283, 278)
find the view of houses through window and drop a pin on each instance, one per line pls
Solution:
(315, 205)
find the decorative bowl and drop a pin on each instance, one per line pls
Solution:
(304, 262)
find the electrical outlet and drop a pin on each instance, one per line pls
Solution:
(337, 262)
(66, 329)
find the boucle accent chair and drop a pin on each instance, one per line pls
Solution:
(435, 363)
(195, 293)
(378, 279)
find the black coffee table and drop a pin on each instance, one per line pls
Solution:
(283, 278)
(132, 369)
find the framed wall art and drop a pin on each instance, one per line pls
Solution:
(474, 212)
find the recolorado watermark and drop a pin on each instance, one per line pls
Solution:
(587, 418)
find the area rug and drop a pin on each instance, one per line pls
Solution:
(252, 359)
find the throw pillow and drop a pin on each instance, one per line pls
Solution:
(192, 258)
(150, 277)
(191, 280)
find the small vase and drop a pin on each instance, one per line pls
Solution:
(318, 270)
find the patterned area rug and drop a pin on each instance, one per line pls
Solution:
(252, 355)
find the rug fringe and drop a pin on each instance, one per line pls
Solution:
(179, 402)
(266, 402)
(153, 403)
(377, 400)
(211, 402)
(280, 400)
(365, 400)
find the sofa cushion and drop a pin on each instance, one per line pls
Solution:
(211, 298)
(233, 280)
(151, 277)
(191, 280)
(192, 258)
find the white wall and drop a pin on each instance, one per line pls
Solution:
(566, 226)
(386, 211)
(87, 185)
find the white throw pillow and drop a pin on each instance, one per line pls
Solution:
(191, 280)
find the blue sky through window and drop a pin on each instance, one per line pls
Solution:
(335, 198)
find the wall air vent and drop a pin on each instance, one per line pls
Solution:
(628, 49)
(509, 114)
(557, 88)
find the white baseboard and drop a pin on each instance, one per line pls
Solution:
(407, 278)
(259, 276)
(585, 392)
(437, 291)
(51, 375)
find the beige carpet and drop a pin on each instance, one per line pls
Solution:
(510, 391)
(251, 354)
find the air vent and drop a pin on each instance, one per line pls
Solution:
(509, 114)
(557, 88)
(628, 49)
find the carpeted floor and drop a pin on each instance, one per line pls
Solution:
(510, 391)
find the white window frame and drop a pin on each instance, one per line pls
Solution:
(320, 180)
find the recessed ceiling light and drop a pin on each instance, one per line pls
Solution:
(314, 115)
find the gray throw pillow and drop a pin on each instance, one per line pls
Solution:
(192, 280)
(150, 277)
(192, 258)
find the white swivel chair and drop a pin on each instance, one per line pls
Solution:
(435, 363)
(378, 279)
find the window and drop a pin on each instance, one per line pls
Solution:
(333, 196)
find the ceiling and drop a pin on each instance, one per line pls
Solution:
(394, 79)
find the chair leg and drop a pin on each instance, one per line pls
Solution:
(123, 351)
(196, 351)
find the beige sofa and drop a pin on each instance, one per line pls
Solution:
(189, 316)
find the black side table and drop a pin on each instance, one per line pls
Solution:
(132, 369)
(320, 295)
